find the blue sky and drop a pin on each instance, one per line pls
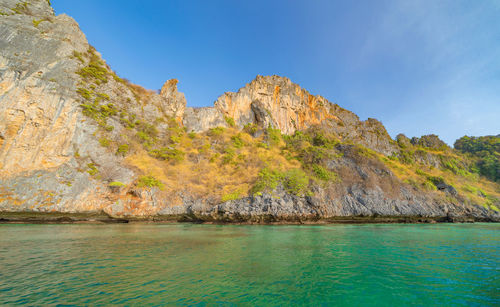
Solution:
(420, 67)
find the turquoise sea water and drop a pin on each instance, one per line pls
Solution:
(184, 264)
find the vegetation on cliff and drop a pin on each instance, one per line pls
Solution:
(226, 163)
(428, 163)
(90, 140)
(486, 151)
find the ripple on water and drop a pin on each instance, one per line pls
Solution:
(258, 265)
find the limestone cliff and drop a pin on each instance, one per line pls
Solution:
(77, 138)
(277, 102)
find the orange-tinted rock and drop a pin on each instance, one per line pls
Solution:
(277, 102)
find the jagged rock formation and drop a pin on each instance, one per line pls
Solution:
(277, 102)
(75, 137)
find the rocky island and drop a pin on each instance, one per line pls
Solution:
(80, 143)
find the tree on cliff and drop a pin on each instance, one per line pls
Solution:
(486, 149)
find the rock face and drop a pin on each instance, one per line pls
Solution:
(38, 113)
(57, 96)
(174, 102)
(429, 141)
(369, 191)
(277, 102)
(41, 120)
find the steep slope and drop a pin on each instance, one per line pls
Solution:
(77, 138)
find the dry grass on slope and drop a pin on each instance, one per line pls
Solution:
(220, 164)
(453, 171)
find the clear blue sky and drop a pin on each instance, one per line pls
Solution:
(428, 66)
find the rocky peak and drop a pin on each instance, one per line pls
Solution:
(274, 101)
(169, 88)
(430, 141)
(33, 8)
(173, 101)
(403, 140)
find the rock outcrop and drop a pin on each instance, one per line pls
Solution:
(41, 121)
(38, 113)
(76, 138)
(274, 101)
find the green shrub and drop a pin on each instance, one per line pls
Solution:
(393, 157)
(454, 166)
(99, 113)
(104, 142)
(37, 22)
(122, 149)
(421, 173)
(174, 127)
(436, 179)
(237, 140)
(90, 110)
(323, 173)
(314, 155)
(169, 154)
(366, 152)
(267, 180)
(229, 154)
(489, 166)
(250, 128)
(296, 182)
(92, 169)
(406, 157)
(429, 185)
(205, 148)
(85, 93)
(145, 138)
(95, 70)
(108, 110)
(149, 182)
(118, 79)
(21, 8)
(192, 135)
(175, 139)
(216, 131)
(322, 140)
(148, 129)
(298, 141)
(229, 121)
(214, 157)
(273, 136)
(129, 120)
(102, 96)
(263, 145)
(231, 196)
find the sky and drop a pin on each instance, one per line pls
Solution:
(420, 67)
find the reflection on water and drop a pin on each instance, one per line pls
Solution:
(264, 265)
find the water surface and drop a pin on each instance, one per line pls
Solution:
(185, 264)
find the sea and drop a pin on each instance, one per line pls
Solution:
(142, 264)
